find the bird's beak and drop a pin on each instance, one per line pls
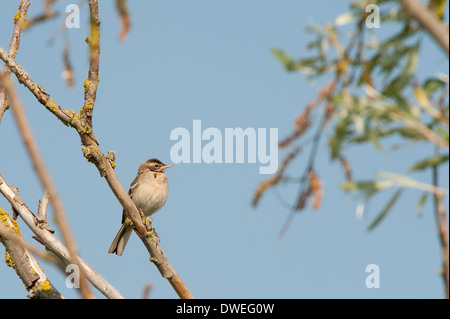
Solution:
(167, 166)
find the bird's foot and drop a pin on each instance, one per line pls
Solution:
(152, 233)
(148, 225)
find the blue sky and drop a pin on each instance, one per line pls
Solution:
(211, 61)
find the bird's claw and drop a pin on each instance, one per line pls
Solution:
(148, 225)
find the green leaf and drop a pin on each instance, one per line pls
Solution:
(385, 210)
(340, 134)
(397, 41)
(315, 44)
(374, 138)
(431, 85)
(429, 162)
(284, 58)
(443, 133)
(367, 188)
(404, 78)
(410, 133)
(421, 202)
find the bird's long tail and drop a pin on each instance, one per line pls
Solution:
(121, 239)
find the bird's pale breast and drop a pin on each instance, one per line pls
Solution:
(151, 194)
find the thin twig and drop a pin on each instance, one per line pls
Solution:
(41, 214)
(45, 16)
(67, 117)
(148, 287)
(42, 208)
(442, 228)
(91, 84)
(358, 34)
(19, 24)
(312, 155)
(325, 94)
(122, 8)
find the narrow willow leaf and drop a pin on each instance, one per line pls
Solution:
(374, 138)
(412, 62)
(431, 85)
(407, 182)
(410, 133)
(314, 44)
(421, 202)
(442, 133)
(401, 179)
(429, 162)
(366, 189)
(344, 19)
(385, 210)
(404, 78)
(340, 135)
(284, 58)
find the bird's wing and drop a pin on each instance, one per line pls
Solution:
(130, 193)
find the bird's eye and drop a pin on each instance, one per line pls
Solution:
(156, 165)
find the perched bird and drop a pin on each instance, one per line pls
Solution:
(149, 193)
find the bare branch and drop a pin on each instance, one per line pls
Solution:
(53, 244)
(90, 85)
(428, 21)
(19, 24)
(42, 208)
(41, 215)
(70, 118)
(67, 117)
(18, 256)
(122, 8)
(83, 125)
(33, 150)
(47, 15)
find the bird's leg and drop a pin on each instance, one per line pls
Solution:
(148, 225)
(128, 222)
(146, 220)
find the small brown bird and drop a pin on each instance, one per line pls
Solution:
(149, 193)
